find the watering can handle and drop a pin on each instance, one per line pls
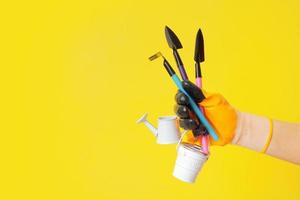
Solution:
(182, 135)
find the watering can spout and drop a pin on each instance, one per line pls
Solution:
(144, 120)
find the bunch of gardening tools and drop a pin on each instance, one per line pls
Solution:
(189, 155)
(175, 44)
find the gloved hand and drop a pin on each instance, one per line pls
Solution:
(221, 115)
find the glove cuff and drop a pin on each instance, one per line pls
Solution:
(252, 131)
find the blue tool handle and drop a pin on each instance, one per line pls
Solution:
(195, 108)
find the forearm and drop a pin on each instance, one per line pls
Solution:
(253, 132)
(285, 143)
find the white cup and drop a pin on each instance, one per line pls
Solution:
(189, 162)
(167, 131)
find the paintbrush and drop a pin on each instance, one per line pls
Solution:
(193, 104)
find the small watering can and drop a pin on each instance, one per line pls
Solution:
(167, 131)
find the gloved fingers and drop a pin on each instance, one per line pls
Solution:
(182, 111)
(192, 124)
(187, 117)
(193, 90)
(181, 99)
(188, 124)
(188, 121)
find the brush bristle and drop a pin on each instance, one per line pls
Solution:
(155, 56)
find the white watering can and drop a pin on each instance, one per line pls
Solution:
(167, 131)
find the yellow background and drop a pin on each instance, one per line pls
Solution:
(75, 77)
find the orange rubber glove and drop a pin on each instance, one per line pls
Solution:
(221, 115)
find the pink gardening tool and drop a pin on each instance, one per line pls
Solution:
(199, 57)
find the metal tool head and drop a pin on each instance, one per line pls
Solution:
(166, 64)
(199, 47)
(155, 56)
(172, 39)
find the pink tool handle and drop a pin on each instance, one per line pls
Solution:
(205, 137)
(205, 144)
(199, 82)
